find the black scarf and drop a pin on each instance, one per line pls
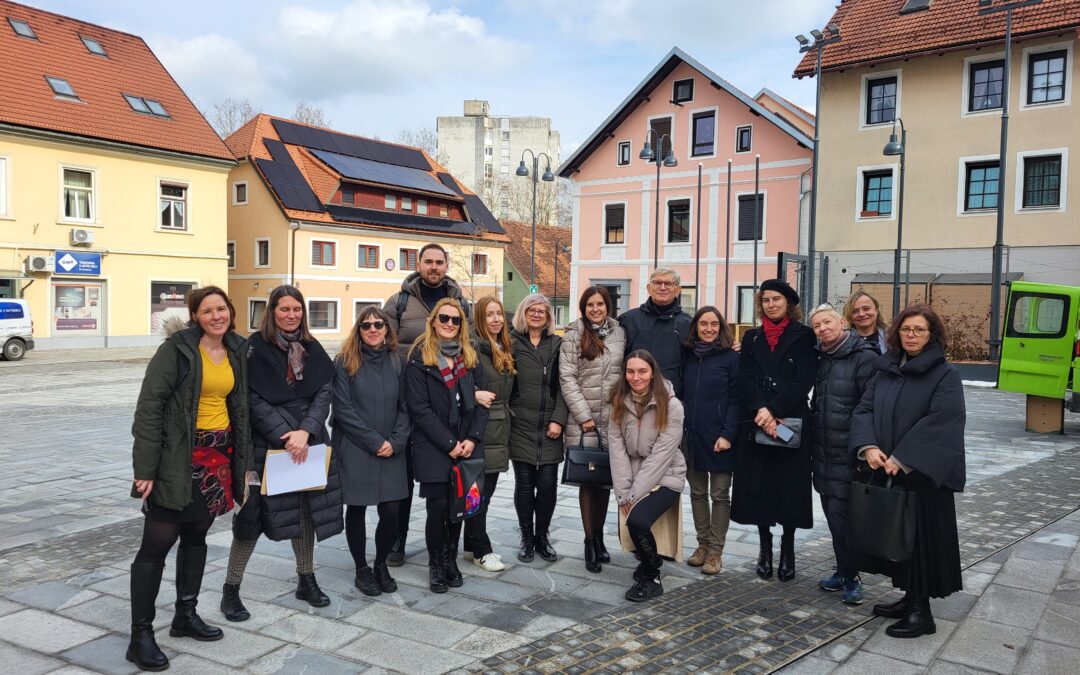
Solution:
(702, 348)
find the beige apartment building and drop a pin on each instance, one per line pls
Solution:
(937, 67)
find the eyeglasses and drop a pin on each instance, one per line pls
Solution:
(664, 284)
(368, 325)
(537, 311)
(914, 331)
(446, 318)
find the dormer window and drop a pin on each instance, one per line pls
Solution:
(22, 29)
(61, 87)
(93, 46)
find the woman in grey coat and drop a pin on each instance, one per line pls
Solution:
(371, 430)
(590, 365)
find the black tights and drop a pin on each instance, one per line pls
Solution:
(439, 533)
(159, 536)
(385, 531)
(763, 531)
(594, 507)
(534, 494)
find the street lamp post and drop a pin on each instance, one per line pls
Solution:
(893, 148)
(821, 40)
(999, 241)
(559, 248)
(649, 155)
(522, 170)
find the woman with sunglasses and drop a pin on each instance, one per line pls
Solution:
(371, 430)
(442, 379)
(539, 415)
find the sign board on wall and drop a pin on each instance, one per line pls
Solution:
(78, 262)
(167, 298)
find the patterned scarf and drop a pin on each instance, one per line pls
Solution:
(701, 348)
(836, 345)
(291, 345)
(451, 363)
(773, 331)
(602, 330)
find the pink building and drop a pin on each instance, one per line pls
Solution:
(710, 122)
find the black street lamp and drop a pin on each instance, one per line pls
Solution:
(821, 40)
(559, 248)
(891, 149)
(649, 155)
(522, 170)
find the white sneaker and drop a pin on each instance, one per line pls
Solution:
(490, 563)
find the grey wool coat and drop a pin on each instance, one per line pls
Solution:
(586, 385)
(369, 408)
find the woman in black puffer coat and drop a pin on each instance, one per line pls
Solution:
(290, 380)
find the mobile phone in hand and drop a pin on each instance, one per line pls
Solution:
(783, 433)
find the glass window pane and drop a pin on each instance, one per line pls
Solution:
(73, 178)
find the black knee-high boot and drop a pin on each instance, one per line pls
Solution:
(190, 563)
(143, 650)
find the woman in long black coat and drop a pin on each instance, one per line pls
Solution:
(442, 378)
(371, 431)
(777, 364)
(910, 422)
(289, 377)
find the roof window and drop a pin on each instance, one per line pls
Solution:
(22, 28)
(61, 87)
(93, 46)
(156, 107)
(915, 6)
(146, 105)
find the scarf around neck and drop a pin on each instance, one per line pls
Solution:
(844, 335)
(602, 330)
(773, 331)
(291, 345)
(701, 348)
(451, 363)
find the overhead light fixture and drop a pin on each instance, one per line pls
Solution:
(801, 39)
(833, 29)
(817, 34)
(521, 170)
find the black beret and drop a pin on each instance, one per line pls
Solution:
(781, 287)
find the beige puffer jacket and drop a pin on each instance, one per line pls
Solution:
(644, 457)
(586, 385)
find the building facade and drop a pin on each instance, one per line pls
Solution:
(704, 121)
(343, 218)
(553, 256)
(483, 151)
(938, 67)
(112, 184)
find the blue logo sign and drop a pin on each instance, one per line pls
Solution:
(78, 262)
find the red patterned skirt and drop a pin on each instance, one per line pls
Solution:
(211, 480)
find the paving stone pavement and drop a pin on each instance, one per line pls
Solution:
(68, 532)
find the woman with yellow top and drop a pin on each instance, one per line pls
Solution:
(191, 453)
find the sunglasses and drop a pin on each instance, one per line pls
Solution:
(446, 318)
(368, 325)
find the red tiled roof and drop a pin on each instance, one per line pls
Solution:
(519, 250)
(99, 82)
(875, 30)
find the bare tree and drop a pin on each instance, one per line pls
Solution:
(424, 138)
(229, 115)
(461, 261)
(312, 114)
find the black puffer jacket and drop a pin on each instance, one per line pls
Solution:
(841, 379)
(662, 333)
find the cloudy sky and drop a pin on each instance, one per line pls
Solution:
(378, 66)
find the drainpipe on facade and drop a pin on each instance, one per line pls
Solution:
(292, 252)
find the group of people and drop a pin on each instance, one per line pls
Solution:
(427, 380)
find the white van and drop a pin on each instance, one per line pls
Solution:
(16, 328)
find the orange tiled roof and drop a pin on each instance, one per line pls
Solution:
(130, 67)
(875, 30)
(547, 238)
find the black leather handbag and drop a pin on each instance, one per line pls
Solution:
(881, 520)
(587, 466)
(795, 424)
(466, 489)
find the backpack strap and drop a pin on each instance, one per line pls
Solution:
(402, 303)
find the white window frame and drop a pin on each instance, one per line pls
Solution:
(735, 241)
(715, 110)
(618, 152)
(92, 220)
(323, 240)
(648, 127)
(406, 204)
(1018, 181)
(5, 186)
(337, 315)
(400, 267)
(667, 220)
(367, 301)
(247, 193)
(965, 98)
(739, 288)
(739, 128)
(251, 313)
(961, 185)
(421, 207)
(390, 202)
(860, 181)
(231, 261)
(269, 253)
(877, 75)
(603, 223)
(1025, 55)
(378, 255)
(186, 186)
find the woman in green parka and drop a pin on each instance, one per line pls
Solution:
(191, 454)
(491, 337)
(538, 417)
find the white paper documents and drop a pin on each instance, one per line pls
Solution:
(283, 475)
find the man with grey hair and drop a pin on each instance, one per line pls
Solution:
(660, 325)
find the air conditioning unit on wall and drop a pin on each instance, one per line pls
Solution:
(40, 263)
(81, 237)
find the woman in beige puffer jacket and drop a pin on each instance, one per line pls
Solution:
(590, 365)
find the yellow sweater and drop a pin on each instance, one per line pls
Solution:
(217, 382)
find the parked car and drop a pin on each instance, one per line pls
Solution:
(16, 328)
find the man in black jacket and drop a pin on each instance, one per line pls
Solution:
(659, 325)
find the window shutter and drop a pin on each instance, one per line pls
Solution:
(747, 216)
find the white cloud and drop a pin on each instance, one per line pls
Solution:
(211, 67)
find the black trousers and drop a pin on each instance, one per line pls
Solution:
(640, 521)
(476, 536)
(836, 515)
(439, 533)
(534, 494)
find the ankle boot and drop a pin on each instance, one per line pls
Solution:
(528, 544)
(396, 557)
(366, 582)
(544, 547)
(383, 578)
(143, 650)
(190, 563)
(786, 570)
(592, 557)
(647, 575)
(893, 610)
(231, 605)
(307, 589)
(601, 551)
(436, 576)
(450, 568)
(764, 561)
(918, 621)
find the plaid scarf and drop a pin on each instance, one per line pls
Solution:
(451, 370)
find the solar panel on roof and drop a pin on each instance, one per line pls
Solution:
(371, 171)
(289, 184)
(320, 139)
(348, 214)
(480, 215)
(449, 182)
(278, 151)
